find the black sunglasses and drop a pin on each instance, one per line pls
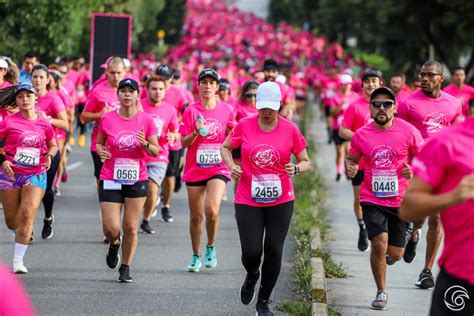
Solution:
(428, 74)
(250, 95)
(386, 104)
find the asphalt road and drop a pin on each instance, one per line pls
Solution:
(68, 274)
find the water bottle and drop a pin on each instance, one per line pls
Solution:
(203, 131)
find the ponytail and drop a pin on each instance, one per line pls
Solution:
(7, 97)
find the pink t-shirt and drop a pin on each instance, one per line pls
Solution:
(176, 97)
(243, 110)
(430, 115)
(264, 181)
(166, 120)
(464, 95)
(25, 142)
(51, 104)
(384, 153)
(122, 143)
(203, 158)
(443, 171)
(5, 84)
(357, 115)
(342, 100)
(98, 99)
(14, 299)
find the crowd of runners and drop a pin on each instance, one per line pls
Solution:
(204, 117)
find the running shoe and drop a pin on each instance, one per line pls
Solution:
(166, 215)
(113, 256)
(19, 267)
(410, 248)
(211, 259)
(81, 141)
(64, 176)
(380, 302)
(363, 243)
(195, 264)
(146, 228)
(71, 141)
(247, 291)
(47, 232)
(338, 177)
(425, 280)
(263, 309)
(124, 275)
(57, 192)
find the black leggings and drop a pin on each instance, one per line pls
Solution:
(48, 198)
(82, 127)
(254, 223)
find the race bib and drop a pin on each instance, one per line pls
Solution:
(384, 183)
(126, 171)
(209, 155)
(266, 188)
(27, 157)
(159, 126)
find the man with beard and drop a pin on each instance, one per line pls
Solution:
(355, 116)
(397, 84)
(430, 110)
(387, 146)
(271, 70)
(462, 91)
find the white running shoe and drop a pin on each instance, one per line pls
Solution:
(19, 267)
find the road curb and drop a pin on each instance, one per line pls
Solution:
(318, 279)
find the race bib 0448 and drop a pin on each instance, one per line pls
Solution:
(384, 183)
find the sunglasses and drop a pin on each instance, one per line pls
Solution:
(428, 74)
(250, 95)
(386, 104)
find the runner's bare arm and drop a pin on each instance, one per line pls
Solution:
(226, 154)
(352, 165)
(61, 121)
(87, 116)
(345, 133)
(101, 149)
(419, 200)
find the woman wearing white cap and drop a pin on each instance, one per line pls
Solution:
(264, 199)
(3, 71)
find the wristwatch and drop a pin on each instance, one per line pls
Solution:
(297, 169)
(49, 118)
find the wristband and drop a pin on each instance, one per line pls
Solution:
(2, 159)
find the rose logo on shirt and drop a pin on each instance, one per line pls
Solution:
(30, 139)
(264, 156)
(383, 156)
(214, 128)
(126, 141)
(435, 122)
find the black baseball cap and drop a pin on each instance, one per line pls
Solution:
(383, 90)
(128, 83)
(208, 72)
(164, 71)
(224, 85)
(371, 73)
(176, 74)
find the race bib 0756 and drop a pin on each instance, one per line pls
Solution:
(209, 155)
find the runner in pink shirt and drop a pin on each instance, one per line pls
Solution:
(397, 84)
(3, 72)
(264, 201)
(166, 121)
(28, 147)
(101, 100)
(356, 116)
(14, 300)
(338, 104)
(430, 110)
(461, 90)
(51, 107)
(446, 187)
(387, 145)
(271, 70)
(224, 92)
(204, 127)
(125, 138)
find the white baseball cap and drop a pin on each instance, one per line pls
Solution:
(3, 64)
(268, 96)
(345, 79)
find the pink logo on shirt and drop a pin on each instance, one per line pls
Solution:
(383, 156)
(264, 156)
(215, 129)
(126, 141)
(435, 122)
(30, 139)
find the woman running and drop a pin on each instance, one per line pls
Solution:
(29, 146)
(51, 107)
(125, 137)
(265, 197)
(204, 127)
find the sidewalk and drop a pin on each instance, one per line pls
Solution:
(353, 295)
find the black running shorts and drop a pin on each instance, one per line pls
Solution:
(203, 183)
(379, 219)
(136, 190)
(359, 177)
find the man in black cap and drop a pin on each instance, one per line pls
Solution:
(272, 70)
(386, 145)
(356, 116)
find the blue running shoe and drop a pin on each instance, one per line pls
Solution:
(211, 260)
(195, 264)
